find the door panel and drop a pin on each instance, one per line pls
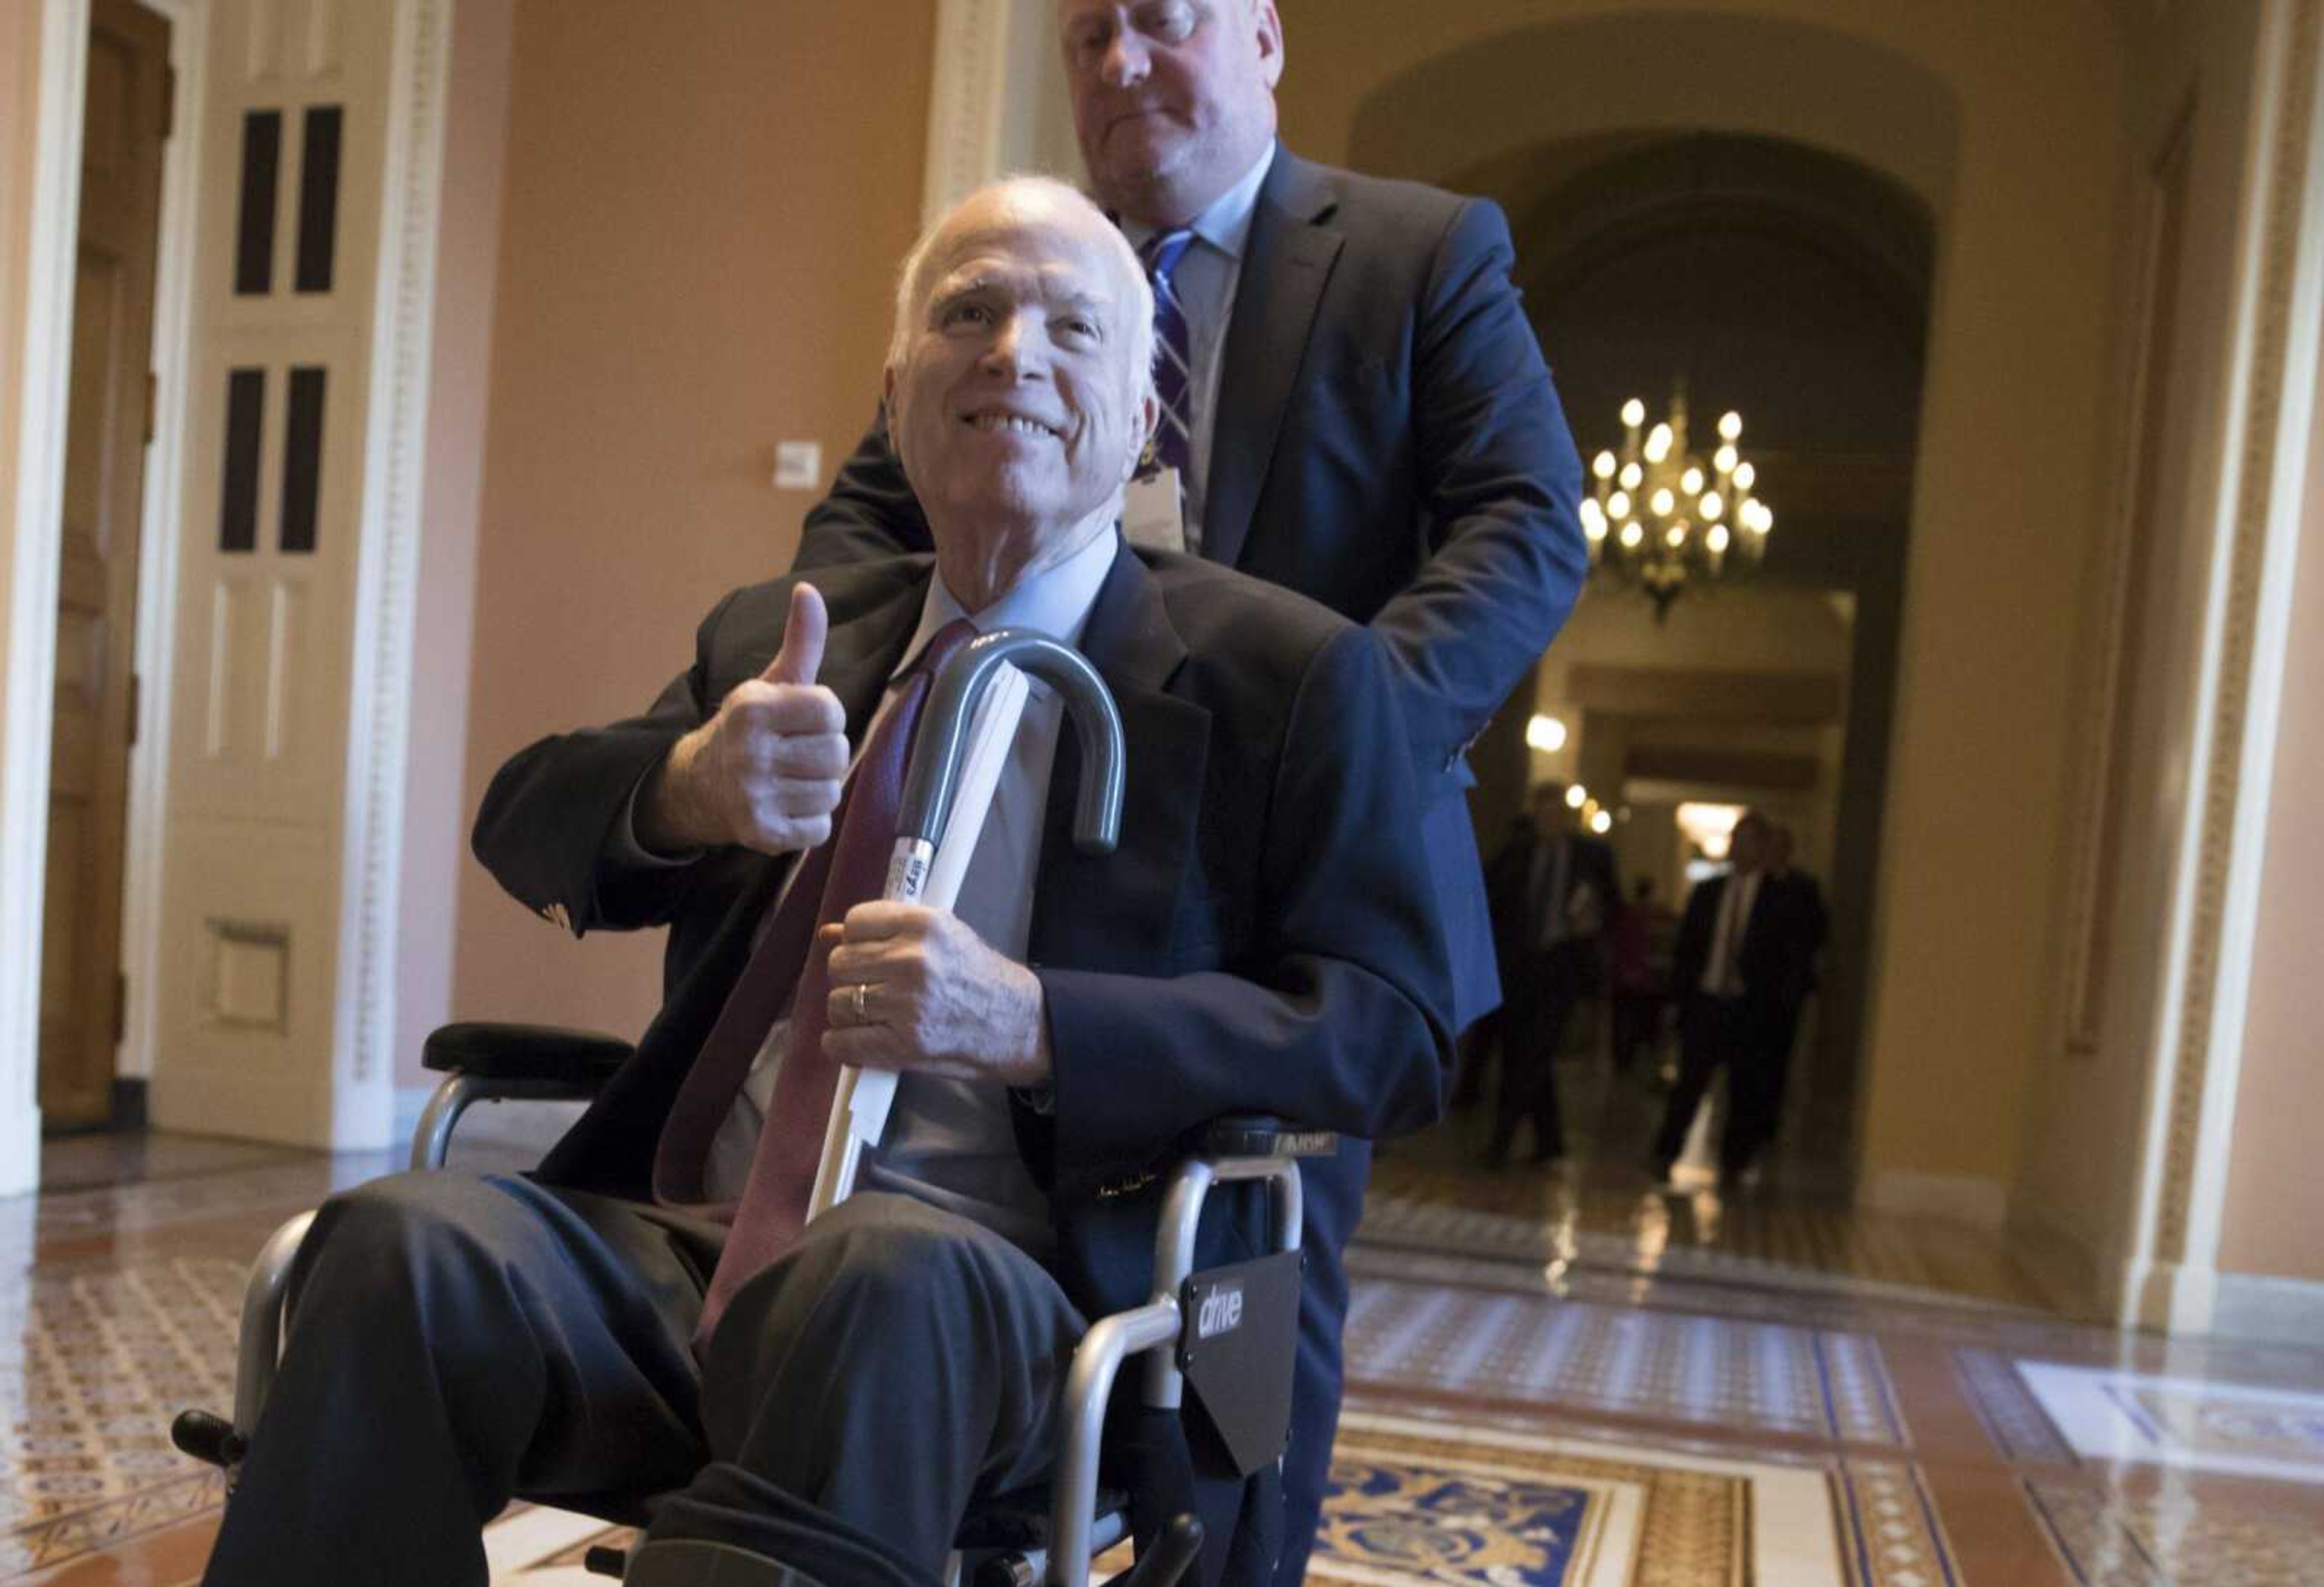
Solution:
(246, 1039)
(105, 456)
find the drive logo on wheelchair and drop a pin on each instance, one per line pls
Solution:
(1220, 1313)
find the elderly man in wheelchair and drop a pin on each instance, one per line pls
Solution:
(667, 1321)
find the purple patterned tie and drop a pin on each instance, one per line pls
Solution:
(848, 870)
(1173, 437)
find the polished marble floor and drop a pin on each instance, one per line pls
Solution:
(1551, 1382)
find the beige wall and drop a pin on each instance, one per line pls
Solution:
(2275, 1196)
(704, 205)
(436, 811)
(2088, 1148)
(2006, 499)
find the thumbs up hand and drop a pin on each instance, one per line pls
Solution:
(765, 771)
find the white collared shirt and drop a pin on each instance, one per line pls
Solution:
(1206, 280)
(949, 1142)
(1722, 975)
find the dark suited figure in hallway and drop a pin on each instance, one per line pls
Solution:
(1554, 892)
(1744, 958)
(647, 1313)
(1807, 923)
(1483, 1043)
(1638, 974)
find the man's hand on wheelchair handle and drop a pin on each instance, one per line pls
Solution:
(765, 771)
(936, 999)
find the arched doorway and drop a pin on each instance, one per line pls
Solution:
(1782, 258)
(1793, 285)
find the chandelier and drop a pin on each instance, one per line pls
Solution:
(1659, 516)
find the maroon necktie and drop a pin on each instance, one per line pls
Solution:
(846, 871)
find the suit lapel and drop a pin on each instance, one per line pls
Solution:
(1287, 261)
(1114, 911)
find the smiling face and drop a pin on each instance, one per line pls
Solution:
(1173, 100)
(1014, 396)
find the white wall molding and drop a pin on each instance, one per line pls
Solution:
(161, 526)
(2255, 515)
(380, 703)
(996, 103)
(38, 401)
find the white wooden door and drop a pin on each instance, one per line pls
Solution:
(293, 135)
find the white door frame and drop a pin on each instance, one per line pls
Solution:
(162, 513)
(379, 702)
(30, 676)
(982, 123)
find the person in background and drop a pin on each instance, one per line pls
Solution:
(1745, 953)
(1554, 892)
(1805, 923)
(1641, 944)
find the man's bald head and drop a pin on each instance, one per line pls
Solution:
(1020, 379)
(1032, 202)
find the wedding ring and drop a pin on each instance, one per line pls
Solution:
(860, 1017)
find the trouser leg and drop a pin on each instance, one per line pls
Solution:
(1333, 1192)
(1756, 1086)
(897, 1364)
(452, 1338)
(1782, 1038)
(1476, 1050)
(1561, 990)
(1700, 1053)
(1522, 1055)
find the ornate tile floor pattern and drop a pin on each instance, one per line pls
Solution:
(2109, 1537)
(2128, 1416)
(1541, 1351)
(1542, 1420)
(112, 1352)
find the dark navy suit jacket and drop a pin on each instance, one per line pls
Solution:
(1263, 938)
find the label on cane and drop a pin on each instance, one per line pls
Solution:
(908, 870)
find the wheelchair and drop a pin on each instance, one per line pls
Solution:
(1230, 1331)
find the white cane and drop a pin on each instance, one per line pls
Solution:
(961, 742)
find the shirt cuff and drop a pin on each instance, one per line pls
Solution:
(624, 847)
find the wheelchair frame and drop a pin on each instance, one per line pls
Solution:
(1233, 1150)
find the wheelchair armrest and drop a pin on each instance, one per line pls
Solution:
(1256, 1134)
(494, 1051)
